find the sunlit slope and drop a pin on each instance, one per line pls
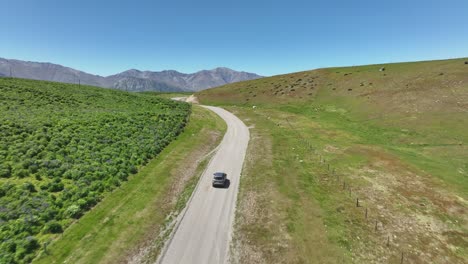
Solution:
(63, 146)
(399, 86)
(420, 103)
(367, 164)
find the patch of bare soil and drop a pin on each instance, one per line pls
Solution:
(148, 250)
(408, 213)
(192, 99)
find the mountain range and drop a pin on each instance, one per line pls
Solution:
(131, 80)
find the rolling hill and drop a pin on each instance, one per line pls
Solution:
(131, 80)
(364, 164)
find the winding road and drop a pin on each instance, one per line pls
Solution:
(204, 229)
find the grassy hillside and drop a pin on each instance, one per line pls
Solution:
(131, 223)
(63, 147)
(332, 144)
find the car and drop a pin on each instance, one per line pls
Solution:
(219, 179)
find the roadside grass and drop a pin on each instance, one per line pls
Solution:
(190, 186)
(150, 253)
(321, 140)
(277, 221)
(303, 212)
(130, 217)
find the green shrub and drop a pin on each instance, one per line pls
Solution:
(73, 211)
(53, 227)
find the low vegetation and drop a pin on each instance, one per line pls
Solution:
(131, 224)
(360, 164)
(62, 147)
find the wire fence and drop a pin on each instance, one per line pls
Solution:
(306, 149)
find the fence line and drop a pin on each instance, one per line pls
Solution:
(308, 148)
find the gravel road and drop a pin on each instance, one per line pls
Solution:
(205, 228)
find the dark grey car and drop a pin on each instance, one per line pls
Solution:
(219, 179)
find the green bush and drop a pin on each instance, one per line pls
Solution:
(53, 227)
(73, 211)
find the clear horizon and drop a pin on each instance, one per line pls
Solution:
(265, 37)
(240, 70)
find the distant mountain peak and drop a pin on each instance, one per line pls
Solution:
(223, 69)
(171, 71)
(133, 70)
(130, 80)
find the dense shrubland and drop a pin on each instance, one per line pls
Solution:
(62, 147)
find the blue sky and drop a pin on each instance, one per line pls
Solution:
(266, 37)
